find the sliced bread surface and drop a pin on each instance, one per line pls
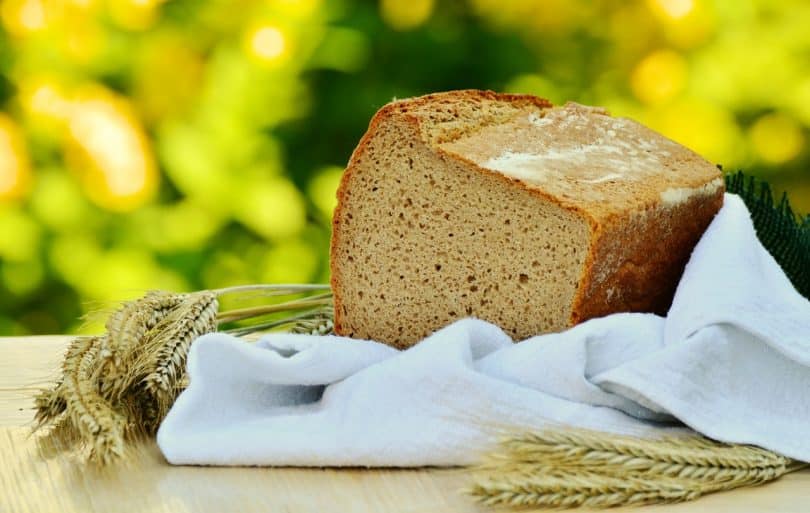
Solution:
(505, 208)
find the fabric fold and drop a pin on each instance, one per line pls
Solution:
(731, 360)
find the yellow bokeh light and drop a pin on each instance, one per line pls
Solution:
(110, 151)
(298, 8)
(692, 30)
(23, 16)
(406, 14)
(15, 169)
(46, 105)
(776, 138)
(675, 9)
(659, 77)
(704, 127)
(134, 14)
(268, 43)
(84, 41)
(32, 15)
(46, 99)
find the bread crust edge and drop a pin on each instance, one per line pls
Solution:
(395, 109)
(598, 228)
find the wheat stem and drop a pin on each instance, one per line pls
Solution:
(257, 311)
(318, 315)
(272, 289)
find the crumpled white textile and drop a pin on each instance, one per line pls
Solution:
(731, 360)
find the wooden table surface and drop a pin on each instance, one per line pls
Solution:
(33, 481)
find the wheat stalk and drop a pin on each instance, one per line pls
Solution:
(87, 411)
(126, 331)
(568, 468)
(166, 347)
(49, 404)
(564, 447)
(118, 387)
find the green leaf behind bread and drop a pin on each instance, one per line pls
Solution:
(784, 234)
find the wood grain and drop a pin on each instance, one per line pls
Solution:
(34, 478)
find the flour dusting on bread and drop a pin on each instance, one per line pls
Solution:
(506, 208)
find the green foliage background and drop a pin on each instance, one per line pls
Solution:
(191, 144)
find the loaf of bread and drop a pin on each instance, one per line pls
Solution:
(506, 208)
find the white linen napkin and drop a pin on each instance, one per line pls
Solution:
(731, 360)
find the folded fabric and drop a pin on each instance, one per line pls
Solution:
(731, 360)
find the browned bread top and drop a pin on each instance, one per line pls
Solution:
(581, 156)
(505, 208)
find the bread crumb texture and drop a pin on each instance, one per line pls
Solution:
(505, 208)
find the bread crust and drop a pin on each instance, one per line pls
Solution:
(665, 253)
(400, 109)
(653, 247)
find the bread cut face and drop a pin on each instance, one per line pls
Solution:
(505, 208)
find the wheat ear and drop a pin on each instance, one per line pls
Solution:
(89, 413)
(166, 347)
(568, 468)
(581, 447)
(126, 330)
(50, 403)
(118, 387)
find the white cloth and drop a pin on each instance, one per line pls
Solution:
(731, 360)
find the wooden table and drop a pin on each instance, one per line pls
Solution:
(34, 482)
